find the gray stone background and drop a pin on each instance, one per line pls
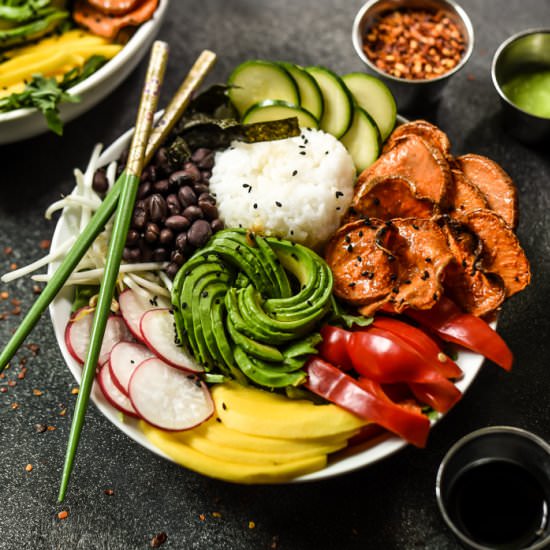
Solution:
(389, 505)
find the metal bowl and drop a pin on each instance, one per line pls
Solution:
(530, 48)
(409, 93)
(501, 443)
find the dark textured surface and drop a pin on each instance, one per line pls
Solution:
(388, 505)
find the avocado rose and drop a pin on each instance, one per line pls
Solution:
(249, 306)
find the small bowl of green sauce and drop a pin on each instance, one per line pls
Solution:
(521, 75)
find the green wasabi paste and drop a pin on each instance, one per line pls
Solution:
(530, 92)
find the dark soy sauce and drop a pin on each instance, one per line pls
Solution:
(499, 504)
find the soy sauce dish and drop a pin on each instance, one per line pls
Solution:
(493, 490)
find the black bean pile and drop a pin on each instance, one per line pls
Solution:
(174, 214)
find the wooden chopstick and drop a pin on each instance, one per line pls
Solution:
(130, 181)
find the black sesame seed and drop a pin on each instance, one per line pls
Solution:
(255, 205)
(224, 406)
(183, 305)
(395, 289)
(359, 259)
(294, 172)
(425, 275)
(302, 152)
(393, 277)
(429, 260)
(351, 285)
(350, 248)
(204, 294)
(277, 203)
(360, 234)
(347, 238)
(391, 258)
(339, 194)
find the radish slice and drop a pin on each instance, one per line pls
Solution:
(157, 327)
(77, 335)
(133, 306)
(123, 361)
(113, 395)
(168, 398)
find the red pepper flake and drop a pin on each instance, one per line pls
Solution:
(202, 517)
(40, 428)
(8, 250)
(63, 412)
(13, 266)
(109, 492)
(45, 244)
(12, 383)
(159, 539)
(3, 389)
(22, 373)
(14, 406)
(4, 295)
(414, 43)
(3, 316)
(37, 289)
(216, 515)
(15, 302)
(37, 392)
(51, 428)
(63, 514)
(28, 468)
(33, 348)
(2, 375)
(251, 524)
(75, 391)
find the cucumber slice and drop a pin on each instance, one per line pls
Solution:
(362, 140)
(255, 81)
(311, 98)
(275, 109)
(374, 96)
(338, 101)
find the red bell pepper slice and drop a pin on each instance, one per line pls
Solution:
(333, 348)
(451, 324)
(341, 389)
(419, 340)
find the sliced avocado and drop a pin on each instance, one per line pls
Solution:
(253, 347)
(265, 375)
(213, 292)
(273, 264)
(232, 247)
(33, 30)
(305, 346)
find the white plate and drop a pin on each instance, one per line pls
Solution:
(25, 123)
(345, 461)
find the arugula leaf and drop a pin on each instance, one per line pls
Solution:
(45, 94)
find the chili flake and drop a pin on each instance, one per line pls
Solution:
(414, 44)
(63, 514)
(28, 468)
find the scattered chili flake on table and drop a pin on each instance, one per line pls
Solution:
(251, 524)
(216, 515)
(51, 428)
(63, 514)
(14, 406)
(45, 244)
(22, 373)
(33, 348)
(8, 250)
(109, 492)
(13, 266)
(37, 289)
(4, 295)
(37, 392)
(202, 517)
(74, 391)
(158, 539)
(28, 468)
(40, 428)
(414, 44)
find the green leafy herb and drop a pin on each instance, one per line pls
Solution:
(341, 316)
(82, 296)
(45, 94)
(431, 413)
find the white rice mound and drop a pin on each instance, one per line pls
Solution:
(296, 188)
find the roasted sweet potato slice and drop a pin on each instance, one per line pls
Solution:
(475, 291)
(108, 25)
(430, 133)
(463, 194)
(497, 186)
(362, 272)
(501, 252)
(414, 159)
(391, 197)
(115, 7)
(421, 256)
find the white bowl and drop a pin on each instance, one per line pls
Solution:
(344, 461)
(25, 123)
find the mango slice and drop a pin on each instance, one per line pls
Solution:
(226, 470)
(258, 412)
